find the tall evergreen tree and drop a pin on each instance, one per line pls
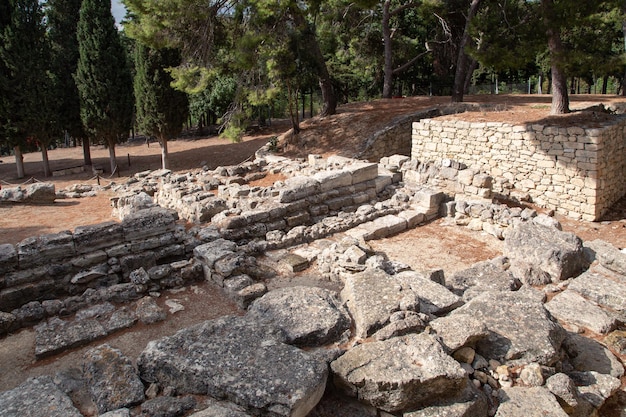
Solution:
(27, 107)
(103, 77)
(63, 18)
(161, 110)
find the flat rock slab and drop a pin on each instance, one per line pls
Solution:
(309, 316)
(589, 355)
(571, 307)
(239, 359)
(528, 402)
(600, 289)
(520, 328)
(57, 335)
(399, 374)
(557, 253)
(433, 298)
(372, 296)
(37, 397)
(459, 330)
(608, 256)
(112, 379)
(483, 276)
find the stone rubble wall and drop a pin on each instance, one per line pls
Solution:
(579, 172)
(57, 274)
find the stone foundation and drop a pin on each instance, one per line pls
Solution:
(577, 171)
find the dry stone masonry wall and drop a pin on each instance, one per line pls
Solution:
(577, 171)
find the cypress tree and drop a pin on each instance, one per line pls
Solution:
(63, 18)
(160, 110)
(103, 77)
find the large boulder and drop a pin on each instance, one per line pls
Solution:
(37, 193)
(601, 289)
(37, 397)
(553, 251)
(608, 256)
(433, 298)
(399, 374)
(309, 316)
(573, 308)
(589, 355)
(491, 275)
(239, 359)
(520, 328)
(528, 401)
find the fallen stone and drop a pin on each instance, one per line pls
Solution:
(112, 379)
(56, 335)
(213, 251)
(149, 312)
(558, 253)
(401, 323)
(608, 256)
(459, 330)
(168, 406)
(240, 359)
(470, 403)
(595, 387)
(371, 297)
(402, 373)
(524, 402)
(600, 289)
(37, 193)
(309, 316)
(483, 276)
(615, 340)
(342, 406)
(564, 388)
(571, 307)
(520, 328)
(6, 320)
(294, 263)
(221, 410)
(434, 298)
(589, 355)
(122, 412)
(37, 397)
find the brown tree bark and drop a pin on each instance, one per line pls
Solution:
(86, 152)
(19, 161)
(463, 60)
(560, 97)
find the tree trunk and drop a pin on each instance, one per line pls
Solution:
(560, 99)
(46, 162)
(310, 40)
(468, 76)
(165, 158)
(86, 152)
(463, 60)
(605, 84)
(112, 160)
(19, 161)
(387, 69)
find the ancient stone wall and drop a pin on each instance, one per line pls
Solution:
(62, 272)
(577, 171)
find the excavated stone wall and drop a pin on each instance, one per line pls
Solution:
(57, 274)
(579, 172)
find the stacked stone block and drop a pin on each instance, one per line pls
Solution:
(577, 171)
(62, 272)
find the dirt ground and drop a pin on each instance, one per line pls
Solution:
(435, 245)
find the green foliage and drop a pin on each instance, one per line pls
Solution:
(102, 77)
(161, 110)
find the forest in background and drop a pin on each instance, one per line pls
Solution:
(69, 75)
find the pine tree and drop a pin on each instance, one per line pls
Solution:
(63, 18)
(103, 77)
(161, 110)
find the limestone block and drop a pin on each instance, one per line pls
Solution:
(600, 289)
(40, 250)
(8, 259)
(37, 397)
(362, 171)
(147, 223)
(330, 180)
(412, 217)
(528, 401)
(571, 307)
(297, 188)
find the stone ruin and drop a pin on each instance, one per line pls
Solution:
(505, 337)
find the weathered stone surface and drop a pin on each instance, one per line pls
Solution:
(98, 236)
(362, 171)
(608, 255)
(434, 298)
(122, 412)
(37, 193)
(371, 297)
(8, 258)
(240, 359)
(470, 403)
(589, 355)
(149, 312)
(558, 253)
(6, 320)
(40, 250)
(600, 289)
(520, 329)
(459, 330)
(483, 276)
(167, 406)
(298, 188)
(615, 340)
(401, 323)
(221, 410)
(149, 222)
(37, 397)
(112, 379)
(401, 373)
(56, 335)
(342, 406)
(309, 316)
(563, 388)
(330, 180)
(595, 387)
(571, 307)
(213, 251)
(525, 402)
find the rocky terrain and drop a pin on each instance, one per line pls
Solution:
(537, 330)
